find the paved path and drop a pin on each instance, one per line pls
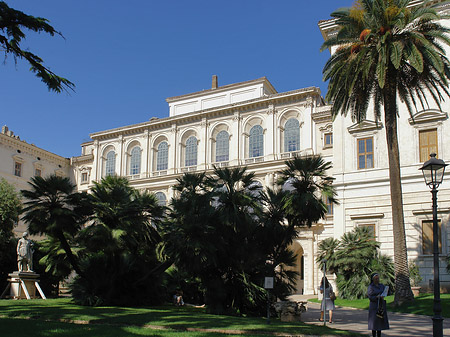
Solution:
(356, 320)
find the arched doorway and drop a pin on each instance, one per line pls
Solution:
(299, 267)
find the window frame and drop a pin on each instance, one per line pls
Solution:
(162, 156)
(365, 153)
(291, 134)
(256, 142)
(191, 151)
(372, 225)
(18, 168)
(325, 136)
(110, 163)
(135, 160)
(159, 193)
(222, 145)
(422, 147)
(429, 250)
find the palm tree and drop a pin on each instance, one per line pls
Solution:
(276, 238)
(192, 239)
(327, 252)
(118, 244)
(237, 196)
(53, 208)
(307, 180)
(388, 50)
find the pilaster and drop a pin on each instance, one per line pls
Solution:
(173, 149)
(235, 140)
(269, 142)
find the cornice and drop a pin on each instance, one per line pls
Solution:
(365, 125)
(322, 114)
(426, 116)
(31, 149)
(367, 216)
(245, 106)
(445, 210)
(89, 158)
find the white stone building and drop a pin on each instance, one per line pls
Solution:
(250, 123)
(247, 123)
(360, 167)
(20, 161)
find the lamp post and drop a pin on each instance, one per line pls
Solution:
(324, 299)
(433, 173)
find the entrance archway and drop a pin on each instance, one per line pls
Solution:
(299, 267)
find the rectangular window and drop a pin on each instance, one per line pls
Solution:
(38, 172)
(427, 237)
(84, 177)
(328, 140)
(371, 227)
(18, 169)
(365, 153)
(329, 206)
(427, 144)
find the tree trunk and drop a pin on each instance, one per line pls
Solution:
(402, 285)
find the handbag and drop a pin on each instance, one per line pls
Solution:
(380, 309)
(332, 295)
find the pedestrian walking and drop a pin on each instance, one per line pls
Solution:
(327, 299)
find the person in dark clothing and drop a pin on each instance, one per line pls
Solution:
(378, 319)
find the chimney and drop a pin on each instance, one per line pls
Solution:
(214, 82)
(4, 129)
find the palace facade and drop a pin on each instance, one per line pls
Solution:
(250, 123)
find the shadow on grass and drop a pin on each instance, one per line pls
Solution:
(36, 328)
(178, 318)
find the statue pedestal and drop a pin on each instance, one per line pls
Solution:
(23, 284)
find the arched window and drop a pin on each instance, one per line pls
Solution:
(135, 161)
(162, 157)
(191, 151)
(110, 165)
(222, 146)
(292, 135)
(162, 200)
(256, 142)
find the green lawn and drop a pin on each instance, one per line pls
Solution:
(56, 317)
(422, 305)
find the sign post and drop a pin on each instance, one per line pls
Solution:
(268, 284)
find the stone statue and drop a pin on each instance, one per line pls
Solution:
(25, 253)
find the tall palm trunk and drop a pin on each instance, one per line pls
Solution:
(402, 285)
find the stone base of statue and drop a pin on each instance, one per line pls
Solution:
(23, 285)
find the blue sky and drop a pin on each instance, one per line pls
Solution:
(127, 57)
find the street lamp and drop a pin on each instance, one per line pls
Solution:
(433, 173)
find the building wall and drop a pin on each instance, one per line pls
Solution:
(32, 160)
(364, 194)
(271, 112)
